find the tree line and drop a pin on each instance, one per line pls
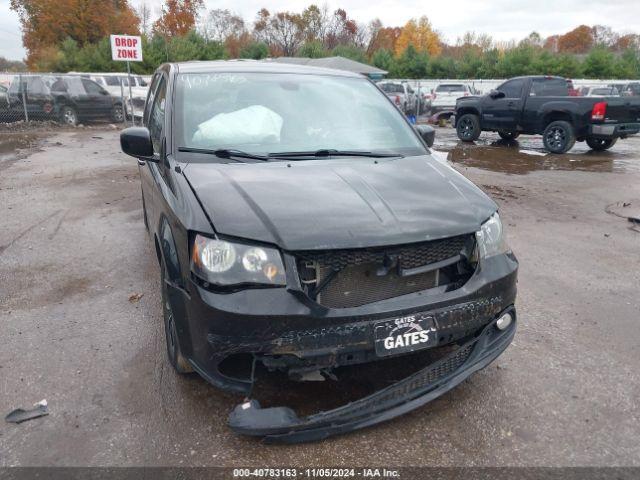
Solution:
(73, 35)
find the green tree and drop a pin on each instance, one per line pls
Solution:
(412, 64)
(255, 51)
(350, 51)
(383, 59)
(599, 63)
(443, 67)
(312, 49)
(628, 65)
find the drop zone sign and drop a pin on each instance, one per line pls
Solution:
(126, 48)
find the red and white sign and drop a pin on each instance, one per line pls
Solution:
(126, 48)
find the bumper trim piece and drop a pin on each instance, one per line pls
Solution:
(282, 425)
(615, 130)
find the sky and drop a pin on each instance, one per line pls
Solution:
(502, 19)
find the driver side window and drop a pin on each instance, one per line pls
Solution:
(156, 116)
(512, 88)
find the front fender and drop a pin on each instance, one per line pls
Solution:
(169, 252)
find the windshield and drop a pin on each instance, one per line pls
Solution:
(272, 113)
(450, 88)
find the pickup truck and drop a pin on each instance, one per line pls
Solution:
(542, 105)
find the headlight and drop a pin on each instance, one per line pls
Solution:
(491, 237)
(228, 263)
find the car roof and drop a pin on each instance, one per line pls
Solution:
(257, 67)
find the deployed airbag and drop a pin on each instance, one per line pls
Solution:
(254, 124)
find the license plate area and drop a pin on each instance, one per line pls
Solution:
(405, 334)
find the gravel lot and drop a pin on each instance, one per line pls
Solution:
(73, 250)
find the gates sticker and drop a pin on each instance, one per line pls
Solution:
(405, 334)
(126, 48)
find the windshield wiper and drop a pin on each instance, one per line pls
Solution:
(329, 152)
(225, 153)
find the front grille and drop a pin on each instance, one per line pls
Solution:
(411, 256)
(361, 276)
(358, 285)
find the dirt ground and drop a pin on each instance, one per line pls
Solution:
(73, 250)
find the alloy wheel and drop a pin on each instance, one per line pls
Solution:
(556, 138)
(466, 128)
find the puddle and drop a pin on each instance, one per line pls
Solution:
(527, 155)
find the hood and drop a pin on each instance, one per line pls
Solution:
(327, 204)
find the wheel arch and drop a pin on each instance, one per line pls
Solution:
(465, 110)
(554, 116)
(167, 251)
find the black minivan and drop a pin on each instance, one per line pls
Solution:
(301, 224)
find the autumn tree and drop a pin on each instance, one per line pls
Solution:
(421, 35)
(178, 17)
(626, 42)
(578, 40)
(282, 31)
(47, 23)
(385, 39)
(219, 24)
(551, 43)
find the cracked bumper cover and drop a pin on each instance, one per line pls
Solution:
(282, 425)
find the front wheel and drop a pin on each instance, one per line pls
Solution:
(509, 135)
(601, 144)
(117, 114)
(177, 360)
(69, 116)
(558, 137)
(468, 127)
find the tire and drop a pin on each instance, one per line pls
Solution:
(117, 114)
(176, 359)
(68, 116)
(601, 144)
(559, 137)
(509, 135)
(468, 127)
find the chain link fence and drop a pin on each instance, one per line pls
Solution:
(72, 98)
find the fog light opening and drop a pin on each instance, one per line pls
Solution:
(504, 321)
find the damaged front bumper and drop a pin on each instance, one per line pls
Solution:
(282, 425)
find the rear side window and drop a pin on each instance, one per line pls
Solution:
(549, 87)
(91, 87)
(512, 88)
(392, 88)
(156, 115)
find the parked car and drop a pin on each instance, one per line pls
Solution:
(627, 89)
(542, 105)
(444, 96)
(599, 91)
(68, 99)
(402, 95)
(118, 86)
(426, 97)
(301, 223)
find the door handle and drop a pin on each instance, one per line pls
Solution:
(511, 104)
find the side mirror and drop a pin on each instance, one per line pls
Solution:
(427, 132)
(136, 141)
(495, 94)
